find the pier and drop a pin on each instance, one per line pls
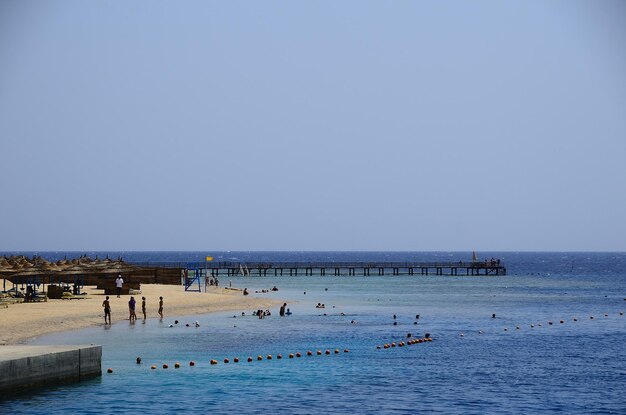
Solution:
(458, 268)
(23, 367)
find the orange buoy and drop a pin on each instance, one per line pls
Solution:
(192, 363)
(269, 357)
(236, 360)
(249, 359)
(165, 366)
(176, 365)
(259, 357)
(109, 370)
(336, 351)
(429, 339)
(226, 360)
(153, 367)
(291, 355)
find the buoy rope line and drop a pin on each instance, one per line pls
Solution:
(249, 359)
(552, 323)
(391, 345)
(409, 342)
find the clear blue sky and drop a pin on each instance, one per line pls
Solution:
(319, 125)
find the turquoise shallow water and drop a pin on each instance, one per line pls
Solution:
(473, 366)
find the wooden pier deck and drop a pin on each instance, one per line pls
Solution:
(364, 268)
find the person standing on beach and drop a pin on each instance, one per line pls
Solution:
(161, 307)
(119, 281)
(107, 310)
(282, 310)
(131, 310)
(143, 307)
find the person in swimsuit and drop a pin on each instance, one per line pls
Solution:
(107, 310)
(131, 309)
(161, 306)
(143, 307)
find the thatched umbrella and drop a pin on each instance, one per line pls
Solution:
(119, 267)
(5, 269)
(22, 275)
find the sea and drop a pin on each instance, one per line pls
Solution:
(557, 343)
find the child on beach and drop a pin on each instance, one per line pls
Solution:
(143, 307)
(160, 307)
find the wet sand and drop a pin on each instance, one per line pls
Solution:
(24, 321)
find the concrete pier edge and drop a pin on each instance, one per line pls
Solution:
(23, 366)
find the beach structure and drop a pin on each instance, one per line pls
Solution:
(493, 267)
(23, 367)
(70, 275)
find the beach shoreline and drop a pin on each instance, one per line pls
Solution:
(22, 322)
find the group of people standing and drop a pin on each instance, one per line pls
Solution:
(106, 304)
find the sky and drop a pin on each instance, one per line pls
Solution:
(313, 125)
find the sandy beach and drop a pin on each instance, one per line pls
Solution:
(23, 321)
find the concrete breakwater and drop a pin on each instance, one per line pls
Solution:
(23, 367)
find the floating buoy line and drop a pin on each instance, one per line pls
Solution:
(249, 359)
(390, 345)
(409, 342)
(561, 321)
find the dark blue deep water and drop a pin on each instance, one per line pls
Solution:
(474, 365)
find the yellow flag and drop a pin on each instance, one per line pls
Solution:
(209, 258)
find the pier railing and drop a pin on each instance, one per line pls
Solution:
(490, 267)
